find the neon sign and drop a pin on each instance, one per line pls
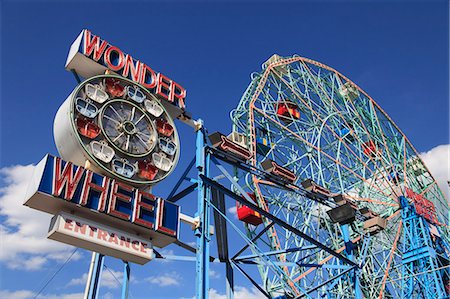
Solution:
(89, 48)
(61, 186)
(423, 206)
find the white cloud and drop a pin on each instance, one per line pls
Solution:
(214, 274)
(110, 279)
(26, 294)
(23, 225)
(165, 280)
(22, 294)
(233, 211)
(438, 162)
(239, 293)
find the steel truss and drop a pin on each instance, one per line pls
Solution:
(297, 250)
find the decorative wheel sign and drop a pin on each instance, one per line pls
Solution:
(120, 127)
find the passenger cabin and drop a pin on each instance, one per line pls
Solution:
(340, 199)
(394, 177)
(87, 127)
(147, 170)
(313, 187)
(344, 214)
(348, 91)
(345, 133)
(287, 111)
(248, 215)
(277, 170)
(373, 223)
(262, 142)
(371, 149)
(235, 144)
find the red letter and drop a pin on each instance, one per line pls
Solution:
(102, 234)
(135, 245)
(68, 224)
(65, 179)
(134, 70)
(140, 205)
(145, 76)
(89, 45)
(119, 196)
(163, 88)
(178, 92)
(108, 61)
(125, 241)
(144, 247)
(88, 185)
(80, 228)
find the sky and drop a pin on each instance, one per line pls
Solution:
(397, 51)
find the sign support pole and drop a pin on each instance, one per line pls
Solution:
(126, 279)
(202, 231)
(93, 281)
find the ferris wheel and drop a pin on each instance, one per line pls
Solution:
(323, 135)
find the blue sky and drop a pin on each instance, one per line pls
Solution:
(397, 51)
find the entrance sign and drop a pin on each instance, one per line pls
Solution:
(90, 235)
(89, 55)
(59, 186)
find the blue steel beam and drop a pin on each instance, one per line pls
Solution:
(202, 232)
(278, 221)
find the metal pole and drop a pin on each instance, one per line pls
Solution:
(349, 251)
(126, 279)
(202, 231)
(93, 281)
(230, 281)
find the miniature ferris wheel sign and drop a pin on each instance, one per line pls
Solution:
(120, 128)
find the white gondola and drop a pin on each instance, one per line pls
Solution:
(161, 161)
(348, 91)
(153, 108)
(123, 167)
(135, 94)
(102, 151)
(96, 93)
(238, 138)
(167, 146)
(86, 108)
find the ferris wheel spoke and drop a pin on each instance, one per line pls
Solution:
(117, 113)
(111, 119)
(133, 111)
(391, 255)
(118, 137)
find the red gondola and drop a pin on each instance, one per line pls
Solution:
(370, 149)
(87, 128)
(287, 111)
(163, 127)
(114, 88)
(147, 170)
(248, 215)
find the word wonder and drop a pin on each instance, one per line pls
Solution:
(89, 55)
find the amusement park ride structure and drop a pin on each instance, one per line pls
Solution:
(333, 201)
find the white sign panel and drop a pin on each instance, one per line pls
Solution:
(76, 231)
